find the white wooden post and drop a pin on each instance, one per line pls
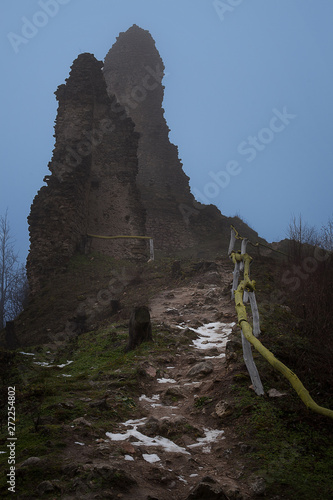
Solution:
(243, 251)
(251, 367)
(255, 314)
(235, 280)
(151, 247)
(247, 348)
(232, 242)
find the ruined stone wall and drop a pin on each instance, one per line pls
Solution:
(92, 186)
(113, 170)
(133, 70)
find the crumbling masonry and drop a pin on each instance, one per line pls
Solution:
(114, 171)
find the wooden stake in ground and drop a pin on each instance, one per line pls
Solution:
(139, 328)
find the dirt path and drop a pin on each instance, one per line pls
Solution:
(181, 438)
(177, 405)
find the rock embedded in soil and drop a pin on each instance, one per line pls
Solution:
(172, 311)
(101, 404)
(127, 447)
(223, 409)
(233, 350)
(258, 485)
(191, 359)
(82, 421)
(207, 489)
(151, 427)
(273, 393)
(201, 369)
(109, 476)
(45, 487)
(213, 352)
(196, 324)
(147, 370)
(31, 461)
(174, 392)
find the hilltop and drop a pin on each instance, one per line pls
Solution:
(116, 226)
(160, 420)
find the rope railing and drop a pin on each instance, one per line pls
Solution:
(257, 244)
(151, 241)
(247, 286)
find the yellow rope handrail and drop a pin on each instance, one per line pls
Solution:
(238, 237)
(247, 284)
(116, 237)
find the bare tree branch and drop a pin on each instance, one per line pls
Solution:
(327, 235)
(300, 234)
(13, 281)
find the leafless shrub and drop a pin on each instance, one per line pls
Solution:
(13, 280)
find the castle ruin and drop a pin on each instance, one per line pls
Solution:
(114, 170)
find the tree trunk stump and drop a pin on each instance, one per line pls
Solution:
(139, 328)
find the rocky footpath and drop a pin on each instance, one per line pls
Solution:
(176, 417)
(180, 442)
(180, 445)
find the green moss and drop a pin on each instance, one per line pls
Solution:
(202, 401)
(292, 452)
(47, 402)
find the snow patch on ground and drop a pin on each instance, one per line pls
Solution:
(151, 458)
(143, 440)
(48, 365)
(222, 355)
(210, 437)
(65, 364)
(211, 335)
(166, 381)
(136, 422)
(155, 397)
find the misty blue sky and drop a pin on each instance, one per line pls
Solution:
(248, 98)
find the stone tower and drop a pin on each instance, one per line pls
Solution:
(92, 187)
(133, 70)
(114, 171)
